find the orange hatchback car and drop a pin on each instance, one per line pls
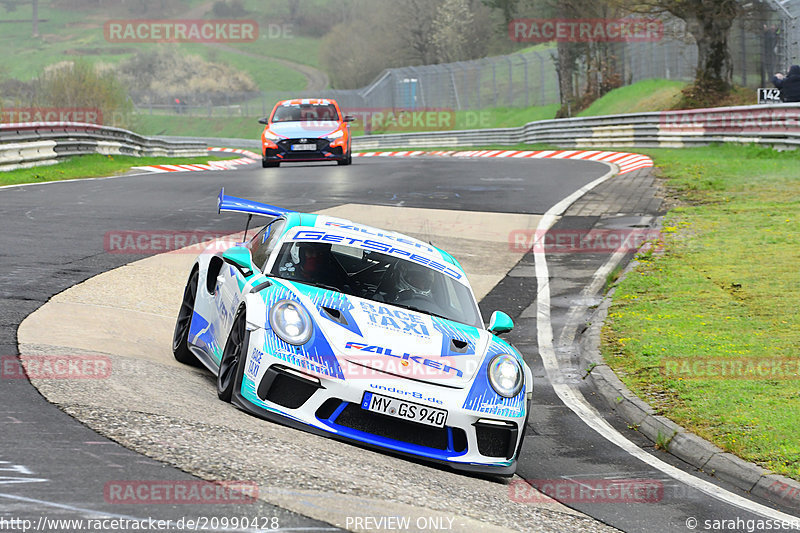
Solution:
(306, 130)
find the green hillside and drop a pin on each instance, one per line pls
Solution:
(77, 32)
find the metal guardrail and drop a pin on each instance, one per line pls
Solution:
(24, 145)
(775, 125)
(43, 143)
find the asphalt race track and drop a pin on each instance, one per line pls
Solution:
(54, 238)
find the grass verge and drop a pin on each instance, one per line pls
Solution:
(92, 166)
(68, 33)
(192, 126)
(640, 97)
(247, 127)
(708, 329)
(647, 95)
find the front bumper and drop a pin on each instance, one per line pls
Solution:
(283, 152)
(470, 440)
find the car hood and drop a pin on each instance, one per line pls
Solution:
(374, 340)
(299, 130)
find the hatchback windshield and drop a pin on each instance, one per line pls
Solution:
(378, 277)
(305, 112)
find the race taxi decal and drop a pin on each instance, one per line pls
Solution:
(395, 319)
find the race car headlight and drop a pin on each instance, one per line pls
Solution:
(291, 322)
(268, 135)
(338, 134)
(505, 375)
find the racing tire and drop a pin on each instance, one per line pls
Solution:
(270, 164)
(180, 339)
(347, 160)
(233, 357)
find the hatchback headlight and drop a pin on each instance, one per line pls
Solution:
(338, 134)
(291, 322)
(505, 375)
(268, 135)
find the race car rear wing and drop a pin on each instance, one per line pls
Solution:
(240, 205)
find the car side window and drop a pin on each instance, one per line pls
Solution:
(264, 242)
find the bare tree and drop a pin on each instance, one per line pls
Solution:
(377, 36)
(415, 29)
(368, 41)
(586, 69)
(507, 7)
(709, 22)
(294, 9)
(451, 31)
(35, 18)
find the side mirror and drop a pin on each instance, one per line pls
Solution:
(239, 257)
(264, 120)
(349, 118)
(500, 323)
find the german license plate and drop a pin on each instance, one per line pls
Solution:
(303, 147)
(404, 410)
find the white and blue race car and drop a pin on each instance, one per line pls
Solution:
(359, 334)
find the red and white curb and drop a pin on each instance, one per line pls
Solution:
(626, 162)
(248, 159)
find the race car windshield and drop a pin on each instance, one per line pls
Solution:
(379, 277)
(305, 113)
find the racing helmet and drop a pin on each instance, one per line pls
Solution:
(310, 256)
(415, 278)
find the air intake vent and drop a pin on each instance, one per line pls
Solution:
(458, 346)
(335, 315)
(496, 439)
(283, 387)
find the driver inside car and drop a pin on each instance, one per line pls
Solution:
(314, 263)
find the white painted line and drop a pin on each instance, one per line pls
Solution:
(75, 180)
(574, 399)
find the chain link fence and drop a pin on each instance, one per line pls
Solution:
(758, 48)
